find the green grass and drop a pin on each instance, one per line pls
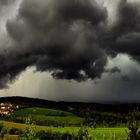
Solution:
(42, 116)
(62, 118)
(60, 121)
(98, 133)
(41, 111)
(10, 137)
(53, 120)
(109, 133)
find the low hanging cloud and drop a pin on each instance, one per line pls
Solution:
(69, 38)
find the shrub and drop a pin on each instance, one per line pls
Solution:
(83, 134)
(3, 132)
(29, 133)
(41, 135)
(14, 131)
(1, 126)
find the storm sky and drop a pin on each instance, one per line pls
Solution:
(70, 50)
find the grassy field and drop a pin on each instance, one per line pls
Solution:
(109, 133)
(98, 133)
(58, 120)
(65, 122)
(41, 111)
(48, 117)
(10, 137)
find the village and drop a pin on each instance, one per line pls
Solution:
(7, 108)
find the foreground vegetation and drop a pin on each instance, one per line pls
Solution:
(98, 133)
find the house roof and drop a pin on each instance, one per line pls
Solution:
(5, 104)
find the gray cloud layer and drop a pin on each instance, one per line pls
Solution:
(5, 2)
(70, 39)
(109, 88)
(56, 36)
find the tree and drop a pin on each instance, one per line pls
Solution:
(133, 126)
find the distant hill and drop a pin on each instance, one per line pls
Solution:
(66, 106)
(44, 112)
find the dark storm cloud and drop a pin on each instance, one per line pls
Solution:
(125, 78)
(69, 38)
(129, 42)
(61, 37)
(124, 37)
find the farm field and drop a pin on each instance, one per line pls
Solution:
(47, 117)
(98, 133)
(41, 111)
(78, 122)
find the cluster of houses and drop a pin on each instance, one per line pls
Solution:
(6, 108)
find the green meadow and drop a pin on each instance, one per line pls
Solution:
(58, 121)
(41, 111)
(48, 117)
(97, 134)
